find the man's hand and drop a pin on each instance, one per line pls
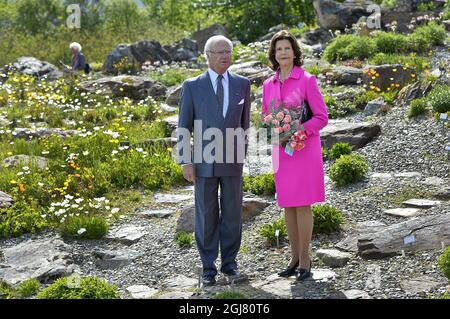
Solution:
(188, 173)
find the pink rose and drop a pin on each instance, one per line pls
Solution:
(286, 127)
(287, 119)
(293, 144)
(268, 118)
(278, 130)
(275, 122)
(299, 146)
(280, 115)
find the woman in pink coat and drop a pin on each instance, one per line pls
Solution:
(299, 178)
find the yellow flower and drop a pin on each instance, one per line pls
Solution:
(9, 153)
(413, 75)
(394, 70)
(114, 141)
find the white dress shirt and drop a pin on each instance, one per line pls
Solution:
(213, 76)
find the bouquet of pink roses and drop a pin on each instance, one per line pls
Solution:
(286, 123)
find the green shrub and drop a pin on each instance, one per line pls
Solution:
(21, 218)
(184, 239)
(6, 292)
(84, 288)
(230, 294)
(417, 107)
(268, 231)
(327, 219)
(84, 227)
(388, 42)
(350, 46)
(444, 262)
(432, 33)
(339, 149)
(28, 288)
(419, 63)
(439, 98)
(348, 169)
(339, 108)
(260, 184)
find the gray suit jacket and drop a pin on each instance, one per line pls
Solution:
(199, 102)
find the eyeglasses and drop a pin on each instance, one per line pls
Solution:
(224, 52)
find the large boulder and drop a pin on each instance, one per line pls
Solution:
(134, 87)
(413, 91)
(133, 56)
(22, 159)
(34, 67)
(203, 35)
(356, 134)
(392, 76)
(316, 36)
(183, 50)
(345, 75)
(5, 200)
(41, 259)
(337, 16)
(253, 70)
(174, 96)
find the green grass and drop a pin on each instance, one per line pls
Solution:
(29, 288)
(84, 227)
(230, 295)
(184, 239)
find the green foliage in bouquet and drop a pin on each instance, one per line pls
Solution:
(348, 169)
(339, 149)
(85, 288)
(327, 219)
(263, 184)
(268, 231)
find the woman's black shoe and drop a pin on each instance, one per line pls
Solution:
(290, 271)
(303, 273)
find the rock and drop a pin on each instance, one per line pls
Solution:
(344, 75)
(21, 159)
(134, 87)
(418, 285)
(34, 67)
(420, 233)
(172, 198)
(384, 176)
(152, 51)
(280, 287)
(164, 142)
(321, 275)
(203, 35)
(337, 16)
(160, 213)
(388, 76)
(421, 203)
(186, 221)
(350, 243)
(356, 134)
(141, 292)
(253, 70)
(180, 282)
(442, 194)
(5, 200)
(183, 50)
(114, 259)
(41, 259)
(315, 36)
(127, 234)
(403, 212)
(250, 207)
(121, 54)
(259, 77)
(172, 122)
(411, 92)
(349, 294)
(28, 134)
(446, 23)
(374, 106)
(174, 96)
(409, 175)
(435, 181)
(333, 258)
(175, 295)
(167, 108)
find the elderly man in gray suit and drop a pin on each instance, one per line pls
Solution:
(215, 108)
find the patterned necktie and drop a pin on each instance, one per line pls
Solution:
(219, 91)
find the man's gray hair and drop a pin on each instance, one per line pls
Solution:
(214, 39)
(75, 45)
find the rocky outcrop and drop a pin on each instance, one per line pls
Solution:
(203, 35)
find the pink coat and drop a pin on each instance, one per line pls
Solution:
(299, 179)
